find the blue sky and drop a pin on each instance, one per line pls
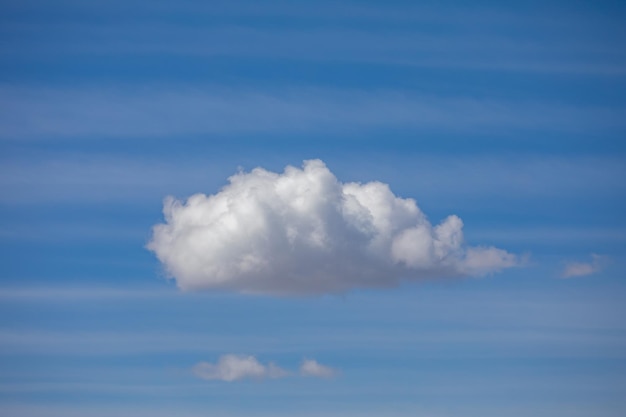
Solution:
(510, 116)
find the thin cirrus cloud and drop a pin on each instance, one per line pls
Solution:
(85, 179)
(304, 232)
(490, 48)
(161, 112)
(579, 269)
(231, 367)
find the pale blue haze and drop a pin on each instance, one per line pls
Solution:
(511, 116)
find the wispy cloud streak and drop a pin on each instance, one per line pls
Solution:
(88, 179)
(158, 112)
(64, 294)
(247, 35)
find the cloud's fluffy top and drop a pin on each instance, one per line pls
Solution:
(304, 232)
(578, 269)
(236, 367)
(310, 367)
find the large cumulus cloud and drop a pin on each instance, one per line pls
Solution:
(305, 232)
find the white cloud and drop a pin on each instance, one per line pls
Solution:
(233, 367)
(579, 269)
(304, 232)
(311, 367)
(236, 367)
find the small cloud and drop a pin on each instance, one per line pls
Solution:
(231, 367)
(579, 269)
(311, 367)
(304, 232)
(237, 367)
